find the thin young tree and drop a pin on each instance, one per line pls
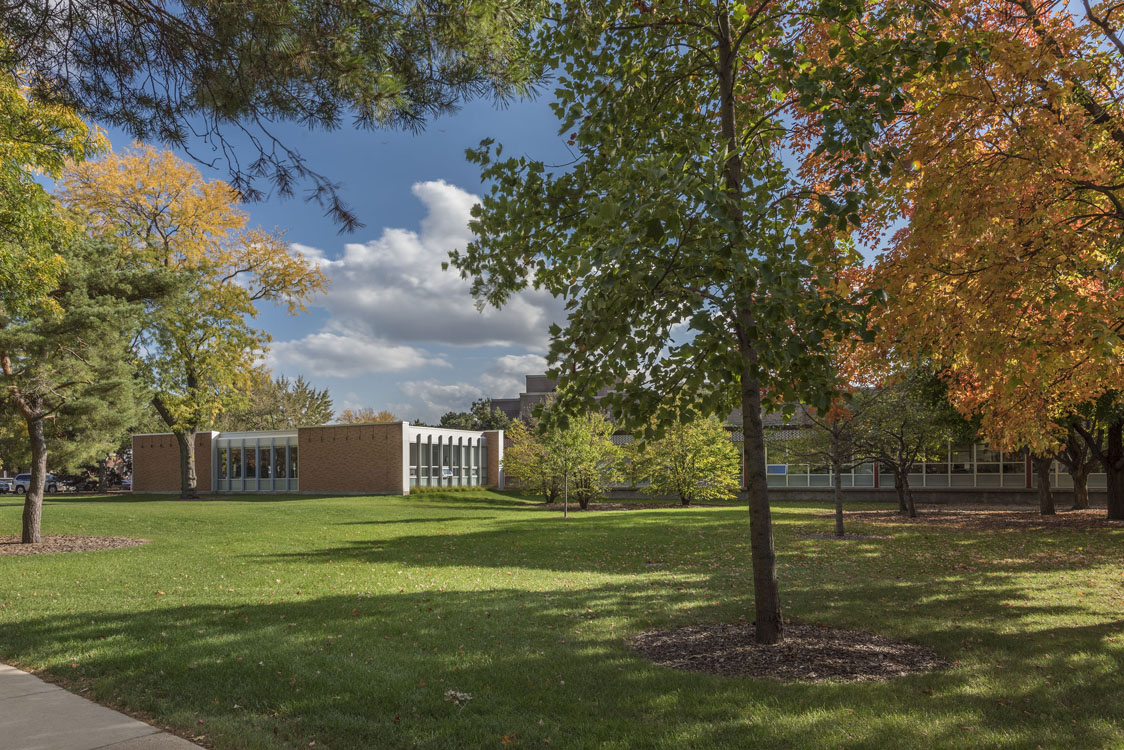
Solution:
(909, 422)
(695, 264)
(837, 438)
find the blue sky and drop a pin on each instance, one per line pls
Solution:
(394, 331)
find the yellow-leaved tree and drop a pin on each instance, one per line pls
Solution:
(200, 345)
(36, 139)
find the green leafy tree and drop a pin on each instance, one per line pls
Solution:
(36, 140)
(911, 421)
(528, 463)
(279, 404)
(693, 261)
(836, 438)
(580, 451)
(480, 416)
(169, 71)
(69, 373)
(695, 461)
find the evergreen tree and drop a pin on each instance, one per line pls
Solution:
(69, 373)
(168, 70)
(279, 404)
(480, 416)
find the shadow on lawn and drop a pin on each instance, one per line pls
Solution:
(372, 671)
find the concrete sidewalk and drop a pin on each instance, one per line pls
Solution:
(36, 715)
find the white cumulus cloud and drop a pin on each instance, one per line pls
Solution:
(394, 288)
(345, 356)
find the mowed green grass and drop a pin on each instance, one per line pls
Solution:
(279, 622)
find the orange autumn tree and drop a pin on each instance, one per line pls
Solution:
(1008, 174)
(199, 348)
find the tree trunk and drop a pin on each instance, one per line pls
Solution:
(911, 507)
(33, 500)
(103, 475)
(838, 491)
(1045, 497)
(899, 486)
(1080, 475)
(1113, 461)
(189, 486)
(185, 437)
(768, 625)
(685, 499)
(1111, 457)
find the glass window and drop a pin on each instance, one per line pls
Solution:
(293, 463)
(279, 461)
(235, 463)
(223, 457)
(264, 466)
(483, 461)
(985, 455)
(413, 459)
(251, 463)
(424, 459)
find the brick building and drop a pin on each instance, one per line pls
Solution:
(386, 458)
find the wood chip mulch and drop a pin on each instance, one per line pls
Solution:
(990, 518)
(809, 652)
(10, 545)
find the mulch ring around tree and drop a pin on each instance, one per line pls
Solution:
(808, 652)
(10, 545)
(989, 518)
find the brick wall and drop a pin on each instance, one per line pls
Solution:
(495, 452)
(156, 463)
(352, 458)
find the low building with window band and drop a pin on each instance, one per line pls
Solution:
(384, 458)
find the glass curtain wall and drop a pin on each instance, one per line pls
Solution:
(448, 461)
(264, 463)
(962, 466)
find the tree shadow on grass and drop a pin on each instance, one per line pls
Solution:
(372, 671)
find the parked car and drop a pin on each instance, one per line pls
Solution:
(5, 485)
(22, 481)
(126, 485)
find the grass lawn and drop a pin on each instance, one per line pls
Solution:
(283, 621)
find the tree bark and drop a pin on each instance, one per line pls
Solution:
(33, 500)
(911, 507)
(1111, 456)
(768, 624)
(189, 484)
(1045, 497)
(899, 486)
(837, 485)
(103, 475)
(1080, 475)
